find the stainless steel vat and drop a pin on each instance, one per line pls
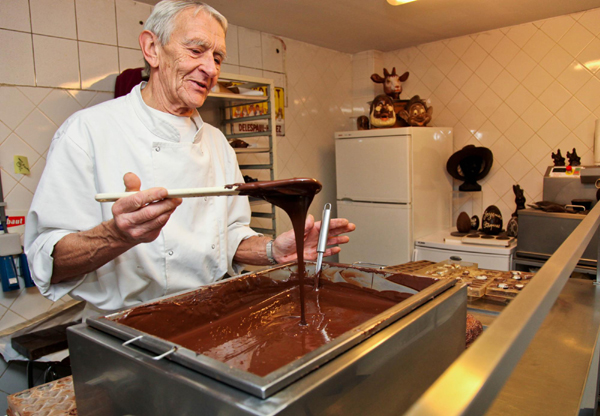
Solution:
(390, 360)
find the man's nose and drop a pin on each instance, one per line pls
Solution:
(209, 66)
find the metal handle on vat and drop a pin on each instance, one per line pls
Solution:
(158, 357)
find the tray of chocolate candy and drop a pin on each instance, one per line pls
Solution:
(476, 280)
(410, 267)
(495, 284)
(447, 269)
(507, 285)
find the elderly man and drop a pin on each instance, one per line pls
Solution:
(145, 246)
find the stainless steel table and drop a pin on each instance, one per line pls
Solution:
(558, 374)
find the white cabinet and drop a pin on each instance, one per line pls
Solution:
(377, 169)
(381, 232)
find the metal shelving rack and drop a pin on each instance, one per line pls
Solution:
(258, 160)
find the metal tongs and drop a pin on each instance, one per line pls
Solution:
(322, 244)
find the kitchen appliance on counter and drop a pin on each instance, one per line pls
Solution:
(393, 184)
(562, 186)
(541, 233)
(392, 358)
(442, 246)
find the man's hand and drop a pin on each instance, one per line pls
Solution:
(284, 246)
(139, 218)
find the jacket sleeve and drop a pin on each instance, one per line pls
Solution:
(63, 203)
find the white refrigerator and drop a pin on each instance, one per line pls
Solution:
(393, 184)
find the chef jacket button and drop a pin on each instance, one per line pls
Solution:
(171, 253)
(157, 148)
(213, 246)
(206, 198)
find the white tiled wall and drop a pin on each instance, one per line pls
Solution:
(319, 102)
(522, 91)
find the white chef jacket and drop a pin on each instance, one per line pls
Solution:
(89, 154)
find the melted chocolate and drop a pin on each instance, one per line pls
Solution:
(252, 323)
(294, 197)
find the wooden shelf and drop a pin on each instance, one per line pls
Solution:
(252, 149)
(236, 97)
(246, 119)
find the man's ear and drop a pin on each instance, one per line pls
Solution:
(150, 47)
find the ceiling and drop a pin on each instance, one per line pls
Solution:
(358, 25)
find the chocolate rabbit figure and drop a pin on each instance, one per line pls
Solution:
(574, 160)
(559, 160)
(519, 198)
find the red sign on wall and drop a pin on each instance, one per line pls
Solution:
(14, 221)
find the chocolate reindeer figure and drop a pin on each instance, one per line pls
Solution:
(392, 83)
(574, 160)
(559, 160)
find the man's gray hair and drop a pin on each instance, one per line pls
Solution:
(161, 20)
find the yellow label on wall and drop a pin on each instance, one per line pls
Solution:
(21, 165)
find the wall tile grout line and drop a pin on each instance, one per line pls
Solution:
(66, 38)
(117, 36)
(32, 47)
(54, 88)
(78, 48)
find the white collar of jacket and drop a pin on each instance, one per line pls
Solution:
(156, 126)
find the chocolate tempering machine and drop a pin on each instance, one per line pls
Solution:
(384, 364)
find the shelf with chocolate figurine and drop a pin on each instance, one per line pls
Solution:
(492, 284)
(491, 232)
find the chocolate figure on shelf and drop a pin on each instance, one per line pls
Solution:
(470, 164)
(463, 223)
(574, 160)
(416, 112)
(559, 160)
(519, 198)
(491, 220)
(512, 228)
(382, 112)
(474, 222)
(362, 123)
(392, 83)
